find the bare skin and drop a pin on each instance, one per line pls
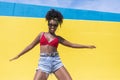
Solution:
(40, 75)
(61, 73)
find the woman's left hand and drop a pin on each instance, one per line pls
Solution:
(91, 46)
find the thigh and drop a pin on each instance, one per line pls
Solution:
(62, 74)
(39, 75)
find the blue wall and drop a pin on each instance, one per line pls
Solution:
(27, 10)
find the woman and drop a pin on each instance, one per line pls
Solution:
(49, 58)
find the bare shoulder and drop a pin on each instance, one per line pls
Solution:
(61, 39)
(40, 34)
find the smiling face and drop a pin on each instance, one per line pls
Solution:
(52, 24)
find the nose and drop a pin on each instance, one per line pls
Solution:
(52, 26)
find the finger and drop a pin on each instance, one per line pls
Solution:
(94, 47)
(11, 59)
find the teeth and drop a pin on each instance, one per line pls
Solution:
(52, 29)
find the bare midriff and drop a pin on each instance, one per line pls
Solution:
(47, 49)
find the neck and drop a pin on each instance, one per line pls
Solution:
(52, 33)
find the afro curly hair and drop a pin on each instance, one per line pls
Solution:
(55, 15)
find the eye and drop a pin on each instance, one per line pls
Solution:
(50, 25)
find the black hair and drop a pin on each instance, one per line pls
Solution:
(55, 15)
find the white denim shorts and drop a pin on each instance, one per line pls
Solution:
(49, 63)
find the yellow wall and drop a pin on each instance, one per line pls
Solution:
(102, 63)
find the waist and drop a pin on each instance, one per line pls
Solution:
(55, 46)
(53, 54)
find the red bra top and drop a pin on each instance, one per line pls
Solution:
(44, 41)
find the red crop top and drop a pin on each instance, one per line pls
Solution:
(44, 41)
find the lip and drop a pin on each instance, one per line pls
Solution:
(52, 29)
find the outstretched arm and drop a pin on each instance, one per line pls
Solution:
(28, 48)
(74, 45)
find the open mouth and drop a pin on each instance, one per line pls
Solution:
(52, 29)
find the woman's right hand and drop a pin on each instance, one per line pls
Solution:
(14, 58)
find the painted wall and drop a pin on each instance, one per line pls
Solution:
(96, 5)
(21, 23)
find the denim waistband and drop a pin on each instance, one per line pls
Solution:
(53, 54)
